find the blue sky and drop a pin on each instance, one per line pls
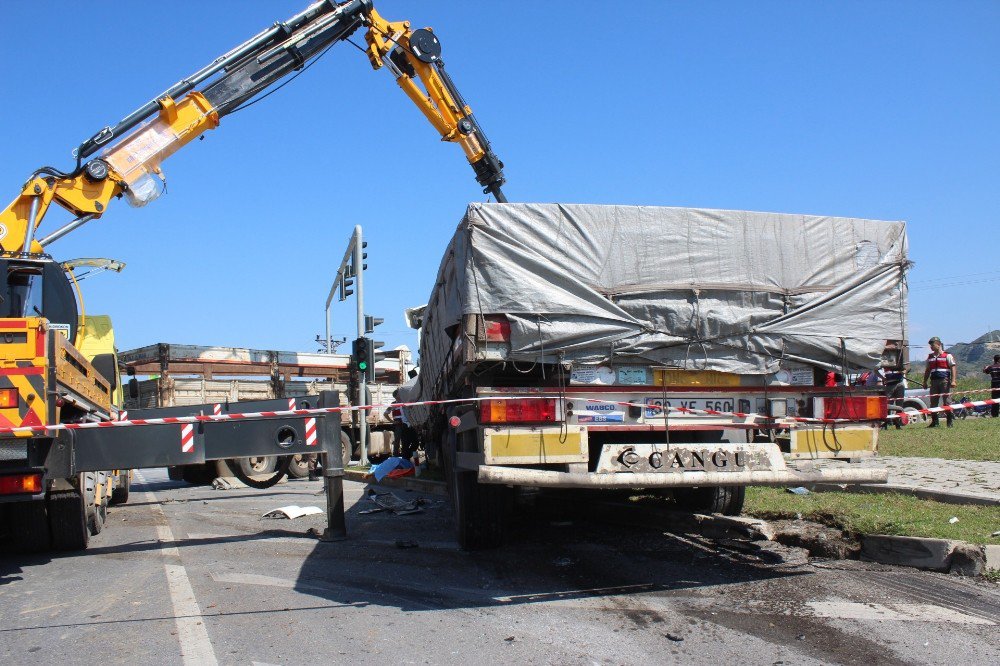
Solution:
(885, 110)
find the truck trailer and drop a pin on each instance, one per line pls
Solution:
(684, 351)
(231, 379)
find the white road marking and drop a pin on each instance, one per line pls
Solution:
(253, 579)
(196, 648)
(892, 612)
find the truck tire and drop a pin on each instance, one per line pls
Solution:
(480, 511)
(298, 468)
(28, 526)
(68, 521)
(257, 465)
(346, 448)
(175, 473)
(727, 500)
(120, 494)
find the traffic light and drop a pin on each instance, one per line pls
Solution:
(364, 255)
(360, 358)
(345, 282)
(371, 322)
(371, 357)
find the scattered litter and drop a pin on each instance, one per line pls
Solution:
(292, 512)
(511, 639)
(387, 501)
(953, 520)
(404, 543)
(562, 561)
(673, 637)
(997, 533)
(798, 491)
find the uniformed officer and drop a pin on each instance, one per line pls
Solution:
(941, 373)
(994, 372)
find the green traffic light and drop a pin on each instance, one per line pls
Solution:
(362, 365)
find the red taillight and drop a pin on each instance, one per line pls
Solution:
(856, 408)
(497, 328)
(8, 398)
(20, 483)
(518, 410)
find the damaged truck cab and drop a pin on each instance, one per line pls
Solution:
(655, 348)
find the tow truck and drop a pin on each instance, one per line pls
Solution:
(56, 483)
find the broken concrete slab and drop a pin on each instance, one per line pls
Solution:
(933, 554)
(716, 526)
(819, 540)
(967, 559)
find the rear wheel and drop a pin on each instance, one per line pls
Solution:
(124, 483)
(258, 465)
(346, 448)
(727, 500)
(298, 468)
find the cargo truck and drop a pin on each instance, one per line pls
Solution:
(174, 375)
(681, 351)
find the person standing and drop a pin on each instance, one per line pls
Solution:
(941, 373)
(994, 372)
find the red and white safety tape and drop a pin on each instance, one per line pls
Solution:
(217, 417)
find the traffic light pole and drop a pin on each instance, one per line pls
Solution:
(362, 379)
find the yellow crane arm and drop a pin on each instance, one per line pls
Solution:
(131, 151)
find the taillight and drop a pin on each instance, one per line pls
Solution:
(20, 484)
(497, 328)
(8, 398)
(517, 410)
(856, 408)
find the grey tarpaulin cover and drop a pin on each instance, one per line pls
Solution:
(732, 291)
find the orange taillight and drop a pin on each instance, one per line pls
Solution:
(18, 484)
(8, 398)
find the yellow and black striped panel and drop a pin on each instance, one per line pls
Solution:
(23, 367)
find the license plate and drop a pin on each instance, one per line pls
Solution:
(654, 406)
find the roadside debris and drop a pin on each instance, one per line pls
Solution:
(292, 511)
(953, 520)
(798, 491)
(387, 501)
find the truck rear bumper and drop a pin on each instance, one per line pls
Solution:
(514, 476)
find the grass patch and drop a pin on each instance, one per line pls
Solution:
(879, 514)
(974, 438)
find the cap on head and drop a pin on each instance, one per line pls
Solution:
(933, 340)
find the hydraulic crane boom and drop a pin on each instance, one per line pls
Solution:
(131, 152)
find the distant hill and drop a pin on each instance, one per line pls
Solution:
(971, 357)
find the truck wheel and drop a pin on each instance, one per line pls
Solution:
(727, 500)
(68, 521)
(257, 465)
(298, 468)
(29, 527)
(346, 448)
(481, 511)
(120, 494)
(175, 473)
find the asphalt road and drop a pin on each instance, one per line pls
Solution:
(194, 575)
